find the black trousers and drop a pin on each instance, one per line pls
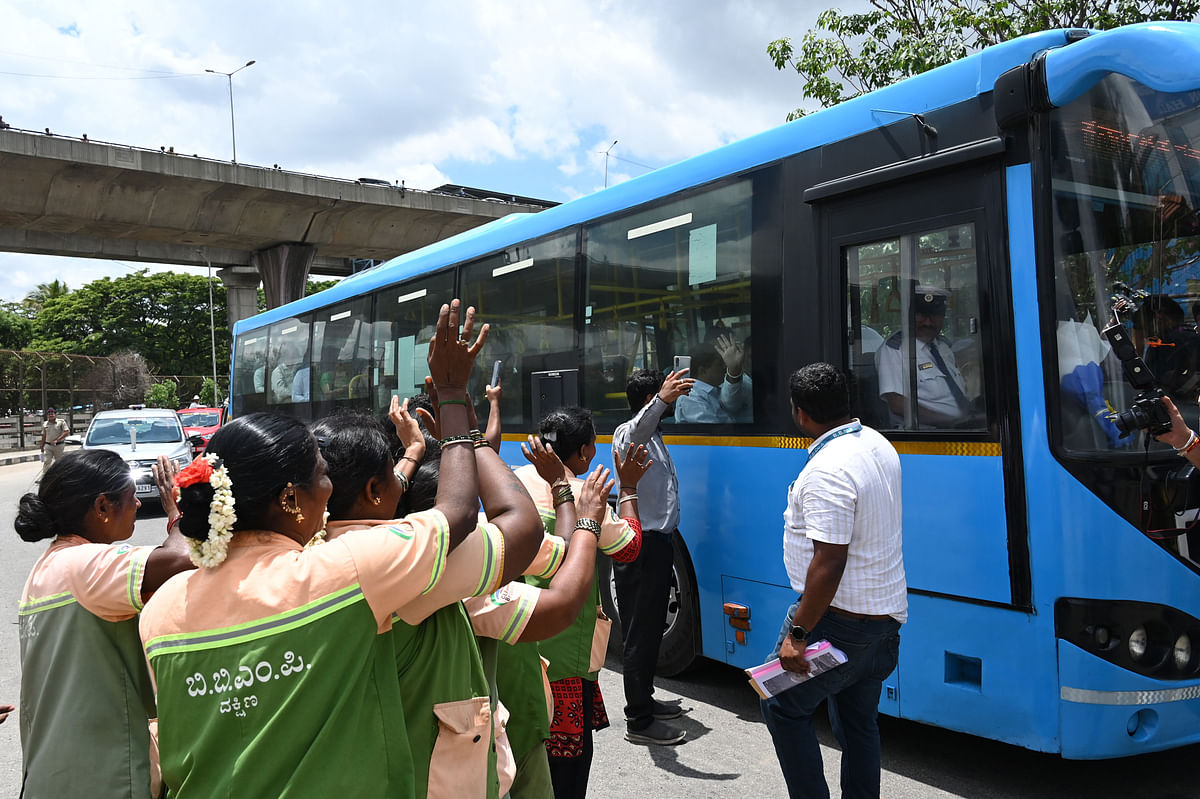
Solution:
(643, 588)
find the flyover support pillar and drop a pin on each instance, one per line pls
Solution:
(284, 270)
(241, 292)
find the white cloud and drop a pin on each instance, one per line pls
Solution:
(518, 97)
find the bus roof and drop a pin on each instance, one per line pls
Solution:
(938, 88)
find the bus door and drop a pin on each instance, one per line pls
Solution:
(926, 331)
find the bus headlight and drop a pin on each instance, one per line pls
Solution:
(1137, 643)
(1183, 652)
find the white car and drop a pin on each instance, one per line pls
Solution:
(139, 436)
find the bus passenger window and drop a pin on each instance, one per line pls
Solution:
(250, 373)
(673, 280)
(527, 292)
(914, 331)
(288, 358)
(405, 321)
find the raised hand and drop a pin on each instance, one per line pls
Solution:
(544, 459)
(451, 355)
(633, 466)
(164, 472)
(731, 353)
(407, 429)
(593, 494)
(676, 385)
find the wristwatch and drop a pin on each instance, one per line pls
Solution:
(799, 633)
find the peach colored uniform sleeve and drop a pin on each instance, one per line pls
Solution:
(106, 579)
(400, 561)
(504, 613)
(474, 568)
(549, 557)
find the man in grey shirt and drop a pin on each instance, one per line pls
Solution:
(643, 586)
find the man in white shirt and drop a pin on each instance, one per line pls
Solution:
(941, 390)
(721, 391)
(842, 549)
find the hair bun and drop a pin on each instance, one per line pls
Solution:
(34, 522)
(194, 502)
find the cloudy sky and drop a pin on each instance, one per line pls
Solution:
(518, 97)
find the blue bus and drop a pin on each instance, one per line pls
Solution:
(1053, 571)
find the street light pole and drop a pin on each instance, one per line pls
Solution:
(229, 77)
(606, 152)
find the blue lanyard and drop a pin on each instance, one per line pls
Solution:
(845, 430)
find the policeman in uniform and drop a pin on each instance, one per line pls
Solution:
(941, 395)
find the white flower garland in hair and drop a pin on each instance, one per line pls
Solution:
(211, 552)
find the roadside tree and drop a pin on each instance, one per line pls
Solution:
(849, 54)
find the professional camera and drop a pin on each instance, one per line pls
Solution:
(1147, 411)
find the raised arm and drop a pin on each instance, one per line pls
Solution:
(171, 556)
(647, 419)
(507, 505)
(451, 358)
(492, 434)
(409, 433)
(558, 605)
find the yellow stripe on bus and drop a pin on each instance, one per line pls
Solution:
(962, 448)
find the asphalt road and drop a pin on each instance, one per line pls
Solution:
(728, 752)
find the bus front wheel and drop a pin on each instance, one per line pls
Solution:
(681, 632)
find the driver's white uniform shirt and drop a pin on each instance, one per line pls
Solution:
(935, 400)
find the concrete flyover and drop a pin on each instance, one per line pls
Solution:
(71, 196)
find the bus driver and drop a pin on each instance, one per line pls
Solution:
(941, 398)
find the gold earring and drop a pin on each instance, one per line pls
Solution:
(295, 505)
(377, 500)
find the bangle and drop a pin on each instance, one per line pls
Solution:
(563, 495)
(448, 440)
(405, 483)
(591, 525)
(628, 498)
(174, 522)
(475, 434)
(559, 483)
(411, 460)
(482, 444)
(453, 402)
(1192, 441)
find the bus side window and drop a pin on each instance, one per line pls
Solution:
(668, 280)
(916, 354)
(527, 292)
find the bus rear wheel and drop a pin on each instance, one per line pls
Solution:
(681, 632)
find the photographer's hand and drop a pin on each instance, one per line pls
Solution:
(1180, 435)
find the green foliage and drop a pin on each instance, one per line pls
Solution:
(849, 54)
(163, 395)
(163, 316)
(36, 300)
(207, 393)
(16, 331)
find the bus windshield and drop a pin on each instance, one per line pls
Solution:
(1125, 183)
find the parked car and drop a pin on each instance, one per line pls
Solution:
(202, 422)
(139, 436)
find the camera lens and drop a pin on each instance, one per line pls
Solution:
(1130, 420)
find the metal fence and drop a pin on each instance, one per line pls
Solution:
(77, 386)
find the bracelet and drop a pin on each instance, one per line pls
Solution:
(563, 495)
(628, 498)
(174, 522)
(559, 483)
(411, 460)
(448, 440)
(475, 434)
(453, 402)
(482, 444)
(591, 525)
(405, 483)
(1192, 441)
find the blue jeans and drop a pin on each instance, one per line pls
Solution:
(872, 647)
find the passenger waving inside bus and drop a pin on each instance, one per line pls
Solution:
(941, 395)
